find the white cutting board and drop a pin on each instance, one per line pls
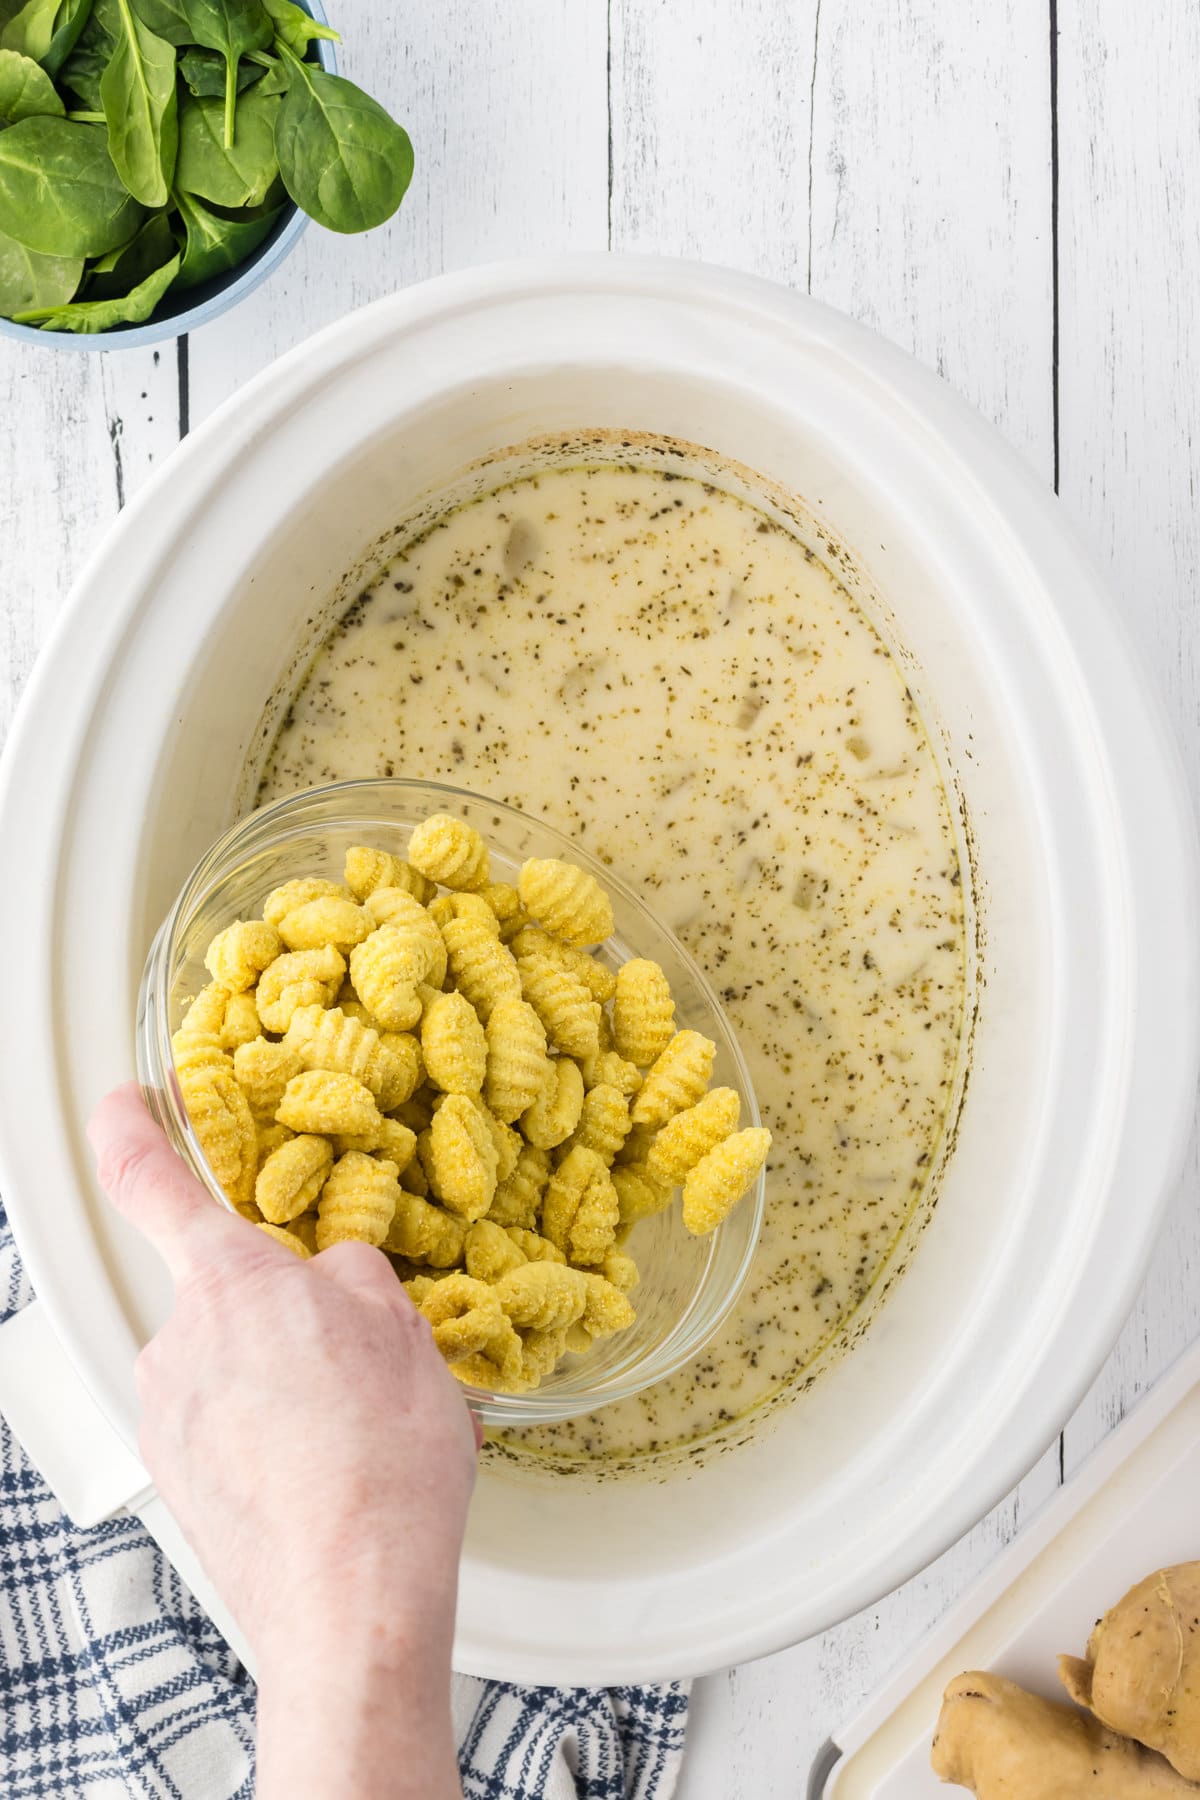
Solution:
(1131, 1508)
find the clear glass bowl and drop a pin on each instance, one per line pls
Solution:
(688, 1285)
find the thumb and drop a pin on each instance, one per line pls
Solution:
(151, 1185)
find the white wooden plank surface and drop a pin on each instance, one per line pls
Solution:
(896, 159)
(1129, 237)
(78, 434)
(507, 108)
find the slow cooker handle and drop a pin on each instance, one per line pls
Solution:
(87, 1466)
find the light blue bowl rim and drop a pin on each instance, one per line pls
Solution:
(243, 280)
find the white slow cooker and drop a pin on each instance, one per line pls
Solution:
(125, 764)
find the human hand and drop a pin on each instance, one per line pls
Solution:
(303, 1429)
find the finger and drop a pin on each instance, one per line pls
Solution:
(359, 1270)
(152, 1186)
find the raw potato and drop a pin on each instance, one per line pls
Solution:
(1005, 1744)
(1142, 1672)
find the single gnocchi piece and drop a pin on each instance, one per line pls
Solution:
(505, 1141)
(675, 1080)
(542, 1296)
(418, 1287)
(610, 1070)
(465, 1315)
(489, 1252)
(329, 920)
(532, 941)
(391, 1139)
(482, 968)
(718, 1181)
(327, 1039)
(464, 906)
(533, 1246)
(396, 906)
(238, 955)
(284, 900)
(620, 1270)
(554, 1114)
(358, 1201)
(453, 1045)
(643, 1015)
(461, 1162)
(516, 1058)
(606, 1309)
(270, 1138)
(221, 1118)
(638, 1195)
(690, 1135)
(241, 1024)
(289, 1239)
(368, 870)
(402, 1069)
(541, 1353)
(292, 1177)
(603, 1122)
(569, 1014)
(387, 968)
(205, 1015)
(298, 978)
(231, 1019)
(414, 1180)
(519, 1195)
(566, 900)
(191, 1052)
(329, 1104)
(263, 1069)
(451, 852)
(425, 1233)
(505, 903)
(581, 1209)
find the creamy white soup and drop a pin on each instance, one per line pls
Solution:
(671, 677)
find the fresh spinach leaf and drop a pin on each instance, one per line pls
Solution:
(344, 159)
(59, 191)
(31, 31)
(203, 72)
(81, 75)
(238, 175)
(27, 279)
(296, 27)
(124, 269)
(215, 244)
(68, 28)
(138, 92)
(276, 74)
(101, 315)
(234, 28)
(25, 89)
(167, 19)
(87, 62)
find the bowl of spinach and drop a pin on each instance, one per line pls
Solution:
(158, 158)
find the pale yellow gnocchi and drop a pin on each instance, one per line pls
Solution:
(423, 1060)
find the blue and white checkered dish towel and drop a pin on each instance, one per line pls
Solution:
(115, 1685)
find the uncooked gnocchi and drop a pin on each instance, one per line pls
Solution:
(423, 1060)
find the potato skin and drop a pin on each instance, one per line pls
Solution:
(1005, 1744)
(1142, 1672)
